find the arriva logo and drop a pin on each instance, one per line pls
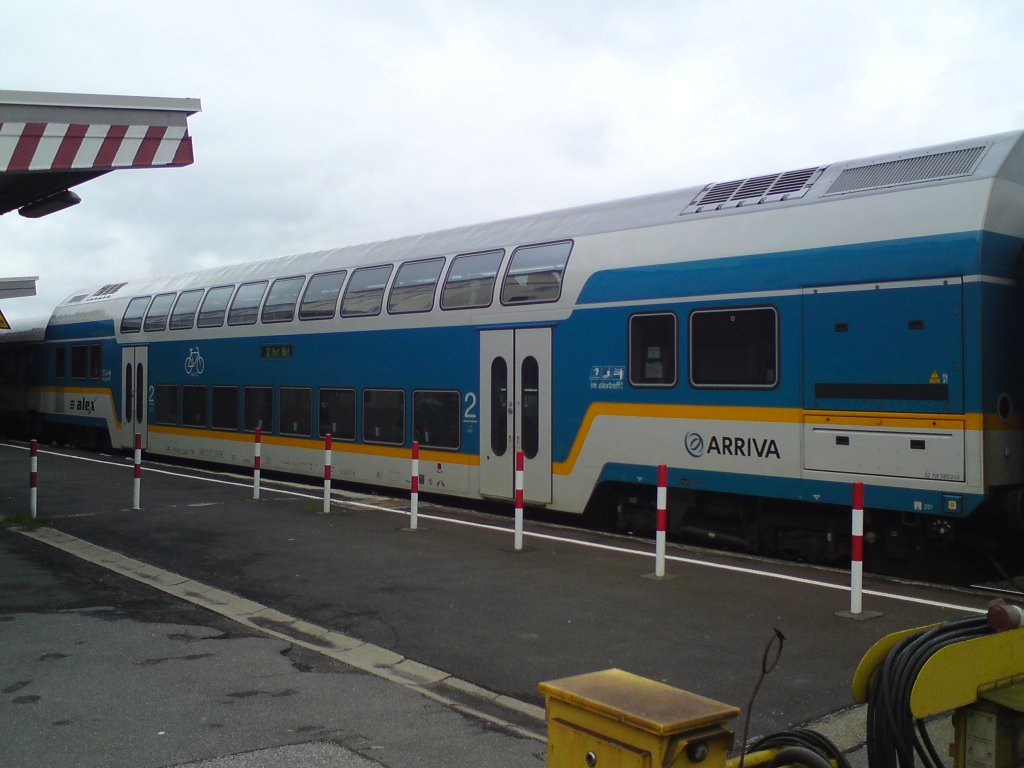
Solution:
(747, 447)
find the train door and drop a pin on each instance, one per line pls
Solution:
(515, 412)
(134, 395)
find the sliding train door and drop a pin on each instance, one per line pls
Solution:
(515, 412)
(134, 395)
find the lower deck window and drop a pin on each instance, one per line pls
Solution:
(338, 413)
(258, 408)
(165, 404)
(436, 418)
(193, 406)
(652, 350)
(734, 347)
(224, 408)
(296, 411)
(79, 361)
(384, 416)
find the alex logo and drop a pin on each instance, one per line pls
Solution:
(723, 445)
(83, 404)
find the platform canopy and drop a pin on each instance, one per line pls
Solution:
(50, 142)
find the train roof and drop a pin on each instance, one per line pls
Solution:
(984, 158)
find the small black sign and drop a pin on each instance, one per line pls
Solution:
(276, 351)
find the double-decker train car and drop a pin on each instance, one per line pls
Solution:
(770, 339)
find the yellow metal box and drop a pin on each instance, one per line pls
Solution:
(614, 718)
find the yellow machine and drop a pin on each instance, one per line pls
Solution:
(613, 718)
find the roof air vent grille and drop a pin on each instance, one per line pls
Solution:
(756, 190)
(107, 290)
(910, 170)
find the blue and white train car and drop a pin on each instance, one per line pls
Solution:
(770, 339)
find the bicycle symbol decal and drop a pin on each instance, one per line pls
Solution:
(194, 364)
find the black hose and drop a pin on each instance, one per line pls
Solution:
(807, 739)
(894, 735)
(799, 756)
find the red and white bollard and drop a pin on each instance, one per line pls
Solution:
(857, 550)
(519, 501)
(258, 437)
(327, 473)
(414, 486)
(137, 482)
(33, 477)
(659, 540)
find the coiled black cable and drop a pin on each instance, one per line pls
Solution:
(894, 736)
(802, 739)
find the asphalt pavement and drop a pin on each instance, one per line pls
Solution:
(110, 664)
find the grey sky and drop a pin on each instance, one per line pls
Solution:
(332, 123)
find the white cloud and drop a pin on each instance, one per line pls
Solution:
(328, 123)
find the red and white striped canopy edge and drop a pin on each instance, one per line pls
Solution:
(76, 146)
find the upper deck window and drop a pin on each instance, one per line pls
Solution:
(320, 301)
(211, 314)
(365, 293)
(535, 274)
(470, 281)
(183, 316)
(246, 303)
(132, 320)
(156, 317)
(414, 286)
(281, 301)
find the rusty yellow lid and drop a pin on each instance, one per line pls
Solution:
(638, 701)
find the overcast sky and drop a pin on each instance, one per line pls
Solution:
(333, 123)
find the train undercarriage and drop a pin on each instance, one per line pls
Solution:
(950, 550)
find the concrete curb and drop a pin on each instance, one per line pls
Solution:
(351, 651)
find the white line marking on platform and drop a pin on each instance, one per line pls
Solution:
(758, 572)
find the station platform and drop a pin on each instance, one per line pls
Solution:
(398, 647)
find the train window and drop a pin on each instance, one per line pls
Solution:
(258, 408)
(183, 316)
(652, 350)
(156, 317)
(413, 290)
(734, 347)
(246, 303)
(365, 292)
(529, 376)
(470, 281)
(384, 416)
(436, 418)
(320, 301)
(224, 407)
(165, 401)
(296, 411)
(280, 304)
(211, 314)
(535, 273)
(132, 320)
(499, 404)
(58, 363)
(338, 413)
(79, 361)
(95, 361)
(193, 405)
